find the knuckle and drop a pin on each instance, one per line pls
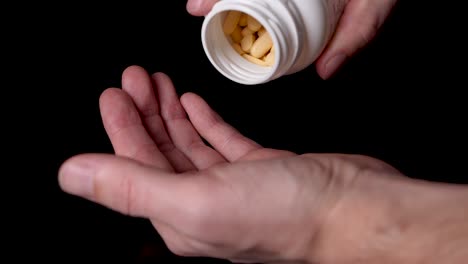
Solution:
(367, 20)
(173, 111)
(130, 197)
(120, 191)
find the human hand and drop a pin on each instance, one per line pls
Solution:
(360, 22)
(235, 200)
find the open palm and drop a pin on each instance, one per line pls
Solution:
(227, 200)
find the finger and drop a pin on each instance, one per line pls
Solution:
(200, 7)
(181, 131)
(127, 186)
(126, 131)
(358, 25)
(138, 84)
(223, 137)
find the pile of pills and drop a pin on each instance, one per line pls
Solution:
(249, 38)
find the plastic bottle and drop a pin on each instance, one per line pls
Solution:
(299, 29)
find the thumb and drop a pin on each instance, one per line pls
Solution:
(200, 7)
(358, 25)
(121, 184)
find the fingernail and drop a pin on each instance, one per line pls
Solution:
(333, 64)
(76, 177)
(194, 5)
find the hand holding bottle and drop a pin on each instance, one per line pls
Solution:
(359, 23)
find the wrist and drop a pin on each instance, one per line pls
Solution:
(433, 221)
(395, 220)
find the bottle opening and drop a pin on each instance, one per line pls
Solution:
(240, 46)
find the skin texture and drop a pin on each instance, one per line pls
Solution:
(360, 22)
(239, 201)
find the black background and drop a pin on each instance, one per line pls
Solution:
(401, 100)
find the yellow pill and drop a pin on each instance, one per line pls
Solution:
(261, 46)
(231, 21)
(247, 31)
(253, 24)
(243, 20)
(236, 35)
(238, 48)
(254, 60)
(270, 58)
(247, 42)
(261, 32)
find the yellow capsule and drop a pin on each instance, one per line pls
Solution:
(270, 58)
(236, 35)
(231, 21)
(253, 24)
(243, 20)
(254, 60)
(261, 46)
(238, 48)
(247, 42)
(247, 31)
(261, 32)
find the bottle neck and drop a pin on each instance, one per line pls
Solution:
(279, 22)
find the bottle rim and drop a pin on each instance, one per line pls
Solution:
(226, 60)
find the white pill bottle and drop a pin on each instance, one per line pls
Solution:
(299, 29)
